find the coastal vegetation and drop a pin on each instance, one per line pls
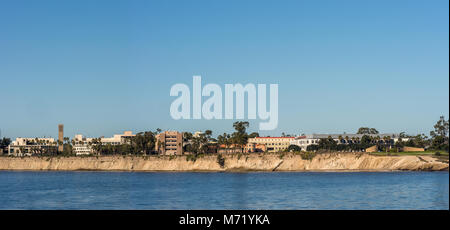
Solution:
(425, 153)
(239, 138)
(141, 144)
(4, 142)
(437, 143)
(367, 130)
(221, 160)
(294, 148)
(307, 155)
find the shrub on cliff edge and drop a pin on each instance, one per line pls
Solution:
(307, 155)
(221, 160)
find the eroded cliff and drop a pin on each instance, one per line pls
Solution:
(243, 162)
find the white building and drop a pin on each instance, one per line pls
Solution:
(29, 146)
(313, 139)
(83, 145)
(197, 134)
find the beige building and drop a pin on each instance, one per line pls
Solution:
(82, 144)
(30, 146)
(169, 143)
(118, 139)
(273, 144)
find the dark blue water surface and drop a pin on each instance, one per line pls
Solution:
(282, 190)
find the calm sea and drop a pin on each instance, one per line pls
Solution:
(281, 190)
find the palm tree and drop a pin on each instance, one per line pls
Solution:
(385, 140)
(340, 139)
(96, 145)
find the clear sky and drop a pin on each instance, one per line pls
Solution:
(102, 67)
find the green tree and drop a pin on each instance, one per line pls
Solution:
(312, 148)
(341, 139)
(327, 143)
(96, 145)
(387, 142)
(367, 130)
(420, 140)
(198, 143)
(294, 148)
(208, 135)
(67, 146)
(366, 141)
(221, 160)
(224, 139)
(439, 137)
(187, 136)
(144, 142)
(240, 136)
(439, 143)
(440, 128)
(4, 142)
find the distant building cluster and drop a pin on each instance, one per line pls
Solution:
(174, 143)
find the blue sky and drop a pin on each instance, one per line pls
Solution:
(102, 67)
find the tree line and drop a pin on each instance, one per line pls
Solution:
(438, 140)
(204, 142)
(144, 143)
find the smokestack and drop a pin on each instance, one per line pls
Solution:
(60, 137)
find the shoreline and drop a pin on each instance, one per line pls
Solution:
(225, 171)
(254, 162)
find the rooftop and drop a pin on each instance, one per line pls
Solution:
(344, 135)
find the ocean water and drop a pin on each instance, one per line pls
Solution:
(255, 190)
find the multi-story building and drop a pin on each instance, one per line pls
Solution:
(83, 145)
(31, 146)
(272, 144)
(313, 139)
(169, 143)
(118, 139)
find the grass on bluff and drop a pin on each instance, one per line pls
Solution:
(426, 153)
(440, 155)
